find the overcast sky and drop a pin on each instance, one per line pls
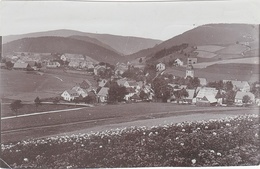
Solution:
(158, 20)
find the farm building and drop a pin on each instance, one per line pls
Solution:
(239, 85)
(103, 94)
(63, 58)
(52, 64)
(85, 84)
(82, 92)
(123, 82)
(69, 95)
(190, 98)
(206, 97)
(239, 97)
(21, 66)
(178, 62)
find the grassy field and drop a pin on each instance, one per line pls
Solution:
(233, 49)
(27, 86)
(209, 48)
(248, 72)
(31, 108)
(205, 54)
(61, 122)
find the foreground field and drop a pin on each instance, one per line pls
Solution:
(224, 142)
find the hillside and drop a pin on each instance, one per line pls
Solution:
(122, 44)
(62, 45)
(237, 38)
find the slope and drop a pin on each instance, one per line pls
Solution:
(210, 34)
(122, 44)
(62, 45)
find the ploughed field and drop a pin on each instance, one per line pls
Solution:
(42, 125)
(230, 141)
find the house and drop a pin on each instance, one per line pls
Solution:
(82, 92)
(192, 61)
(123, 82)
(85, 84)
(31, 63)
(53, 64)
(190, 98)
(206, 97)
(149, 91)
(178, 62)
(239, 85)
(203, 81)
(102, 82)
(74, 63)
(135, 84)
(21, 66)
(98, 69)
(121, 68)
(239, 97)
(189, 71)
(63, 58)
(160, 67)
(103, 94)
(131, 92)
(70, 95)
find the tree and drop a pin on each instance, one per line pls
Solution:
(37, 102)
(9, 65)
(116, 93)
(230, 97)
(180, 94)
(15, 105)
(246, 99)
(143, 95)
(228, 86)
(140, 60)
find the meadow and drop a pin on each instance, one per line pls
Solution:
(223, 142)
(27, 86)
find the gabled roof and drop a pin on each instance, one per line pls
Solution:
(72, 92)
(191, 93)
(238, 84)
(21, 65)
(132, 83)
(240, 95)
(121, 82)
(103, 91)
(31, 63)
(85, 84)
(207, 92)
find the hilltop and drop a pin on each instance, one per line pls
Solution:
(124, 45)
(62, 45)
(209, 42)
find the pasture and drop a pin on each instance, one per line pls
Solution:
(233, 49)
(232, 71)
(27, 86)
(209, 48)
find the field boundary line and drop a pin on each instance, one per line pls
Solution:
(40, 113)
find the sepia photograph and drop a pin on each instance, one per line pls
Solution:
(129, 84)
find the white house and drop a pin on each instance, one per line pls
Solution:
(80, 91)
(69, 95)
(242, 86)
(189, 71)
(53, 64)
(123, 82)
(206, 96)
(239, 97)
(178, 62)
(63, 58)
(160, 67)
(103, 94)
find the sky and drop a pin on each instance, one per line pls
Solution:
(157, 20)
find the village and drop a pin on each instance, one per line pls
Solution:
(142, 82)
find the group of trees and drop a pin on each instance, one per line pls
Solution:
(116, 93)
